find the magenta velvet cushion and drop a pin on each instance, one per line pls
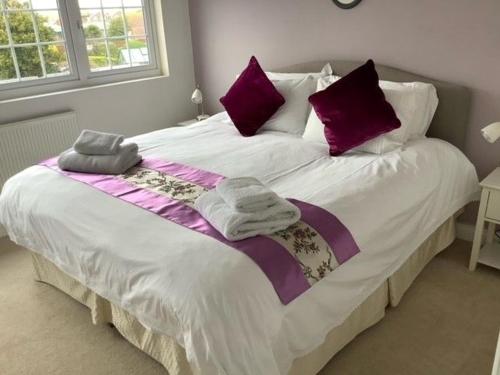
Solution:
(252, 99)
(354, 110)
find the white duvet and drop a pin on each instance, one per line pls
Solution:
(214, 300)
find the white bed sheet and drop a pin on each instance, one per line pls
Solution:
(215, 301)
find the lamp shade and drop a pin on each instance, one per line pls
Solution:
(492, 132)
(197, 97)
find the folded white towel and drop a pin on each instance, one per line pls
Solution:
(126, 158)
(236, 225)
(246, 194)
(91, 142)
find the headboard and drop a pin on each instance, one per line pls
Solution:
(452, 116)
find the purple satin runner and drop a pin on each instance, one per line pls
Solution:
(280, 267)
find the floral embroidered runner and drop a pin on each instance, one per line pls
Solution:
(292, 259)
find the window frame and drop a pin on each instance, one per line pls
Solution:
(80, 72)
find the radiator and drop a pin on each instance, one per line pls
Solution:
(27, 142)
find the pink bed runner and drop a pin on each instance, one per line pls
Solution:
(293, 259)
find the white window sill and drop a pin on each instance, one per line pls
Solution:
(66, 87)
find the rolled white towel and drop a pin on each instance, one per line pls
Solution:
(91, 142)
(236, 226)
(126, 158)
(246, 194)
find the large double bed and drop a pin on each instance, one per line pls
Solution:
(196, 305)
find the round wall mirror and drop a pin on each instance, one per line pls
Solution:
(346, 4)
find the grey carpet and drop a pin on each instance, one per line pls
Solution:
(447, 324)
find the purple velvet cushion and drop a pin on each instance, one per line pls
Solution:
(252, 99)
(354, 110)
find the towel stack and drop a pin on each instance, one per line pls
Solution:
(243, 207)
(102, 153)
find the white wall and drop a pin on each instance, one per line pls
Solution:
(129, 108)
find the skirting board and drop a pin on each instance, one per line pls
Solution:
(465, 231)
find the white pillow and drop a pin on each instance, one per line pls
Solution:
(291, 117)
(296, 88)
(414, 103)
(425, 103)
(315, 130)
(325, 72)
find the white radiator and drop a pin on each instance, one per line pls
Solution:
(25, 143)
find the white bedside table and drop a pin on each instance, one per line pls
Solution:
(489, 211)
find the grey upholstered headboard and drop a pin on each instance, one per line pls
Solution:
(452, 116)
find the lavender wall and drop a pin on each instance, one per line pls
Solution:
(453, 40)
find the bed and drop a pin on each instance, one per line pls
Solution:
(196, 305)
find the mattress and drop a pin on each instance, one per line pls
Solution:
(212, 300)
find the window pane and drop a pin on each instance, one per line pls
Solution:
(49, 26)
(123, 32)
(16, 4)
(132, 3)
(3, 32)
(28, 60)
(93, 24)
(89, 3)
(111, 3)
(44, 4)
(98, 56)
(118, 53)
(139, 53)
(32, 42)
(135, 21)
(7, 69)
(114, 22)
(56, 59)
(21, 27)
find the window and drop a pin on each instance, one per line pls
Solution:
(32, 41)
(115, 34)
(47, 41)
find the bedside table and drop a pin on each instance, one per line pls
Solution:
(489, 211)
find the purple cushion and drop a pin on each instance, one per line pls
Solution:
(354, 110)
(252, 99)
